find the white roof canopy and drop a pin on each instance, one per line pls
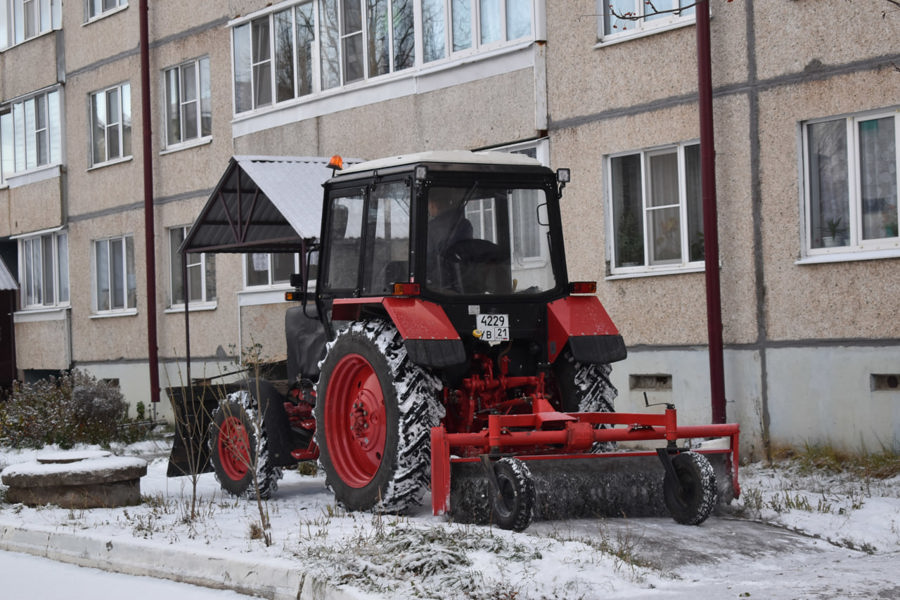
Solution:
(262, 204)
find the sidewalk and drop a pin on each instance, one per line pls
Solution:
(272, 579)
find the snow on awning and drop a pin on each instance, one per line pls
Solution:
(262, 204)
(7, 281)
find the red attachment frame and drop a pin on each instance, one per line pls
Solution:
(572, 436)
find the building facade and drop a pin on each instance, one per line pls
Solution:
(805, 105)
(806, 125)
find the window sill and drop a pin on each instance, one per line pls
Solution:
(34, 315)
(655, 272)
(186, 145)
(109, 163)
(33, 176)
(848, 256)
(105, 14)
(177, 309)
(117, 313)
(627, 36)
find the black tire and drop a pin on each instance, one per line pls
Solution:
(693, 501)
(585, 387)
(513, 505)
(238, 446)
(374, 437)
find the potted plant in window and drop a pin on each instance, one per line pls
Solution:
(890, 222)
(834, 233)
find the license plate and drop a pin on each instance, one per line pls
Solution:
(494, 328)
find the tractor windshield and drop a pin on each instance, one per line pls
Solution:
(485, 239)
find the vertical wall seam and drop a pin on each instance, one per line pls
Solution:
(756, 204)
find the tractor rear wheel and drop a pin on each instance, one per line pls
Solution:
(238, 448)
(513, 505)
(691, 499)
(375, 410)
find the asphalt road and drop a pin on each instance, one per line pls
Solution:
(26, 577)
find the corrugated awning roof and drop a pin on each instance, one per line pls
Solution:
(262, 204)
(7, 281)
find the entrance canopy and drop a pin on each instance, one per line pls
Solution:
(262, 204)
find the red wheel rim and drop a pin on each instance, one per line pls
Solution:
(234, 448)
(355, 420)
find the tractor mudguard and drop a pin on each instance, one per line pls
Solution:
(583, 323)
(306, 339)
(428, 334)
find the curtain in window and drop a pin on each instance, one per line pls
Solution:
(828, 182)
(878, 177)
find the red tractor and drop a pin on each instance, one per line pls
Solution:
(440, 344)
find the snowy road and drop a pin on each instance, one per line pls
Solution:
(25, 577)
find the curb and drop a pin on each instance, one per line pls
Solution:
(275, 579)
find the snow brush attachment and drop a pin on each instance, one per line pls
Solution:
(518, 473)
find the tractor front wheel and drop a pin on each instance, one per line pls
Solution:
(691, 499)
(375, 411)
(514, 499)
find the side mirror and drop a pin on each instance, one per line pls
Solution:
(563, 176)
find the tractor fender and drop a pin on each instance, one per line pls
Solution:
(583, 324)
(428, 334)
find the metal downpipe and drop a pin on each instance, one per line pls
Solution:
(149, 228)
(710, 219)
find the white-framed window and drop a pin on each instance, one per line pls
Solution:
(632, 18)
(110, 124)
(201, 273)
(21, 20)
(94, 9)
(850, 183)
(315, 45)
(44, 270)
(471, 25)
(115, 283)
(268, 269)
(31, 133)
(656, 208)
(188, 102)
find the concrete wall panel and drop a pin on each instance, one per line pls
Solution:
(831, 301)
(44, 344)
(806, 35)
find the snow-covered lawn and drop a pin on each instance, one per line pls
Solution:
(846, 525)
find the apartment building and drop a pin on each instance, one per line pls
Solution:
(306, 78)
(806, 103)
(806, 109)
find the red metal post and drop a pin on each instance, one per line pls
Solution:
(149, 228)
(710, 220)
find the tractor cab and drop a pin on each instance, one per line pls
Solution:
(477, 234)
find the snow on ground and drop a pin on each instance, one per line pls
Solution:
(829, 531)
